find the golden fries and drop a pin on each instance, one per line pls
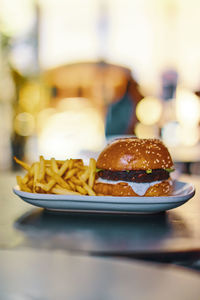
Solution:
(61, 177)
(22, 186)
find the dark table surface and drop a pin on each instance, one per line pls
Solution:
(170, 236)
(27, 274)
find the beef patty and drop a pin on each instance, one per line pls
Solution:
(135, 175)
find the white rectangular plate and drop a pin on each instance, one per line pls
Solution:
(109, 204)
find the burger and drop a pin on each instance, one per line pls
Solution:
(134, 167)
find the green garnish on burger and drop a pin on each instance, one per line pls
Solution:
(170, 170)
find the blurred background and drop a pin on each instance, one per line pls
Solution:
(74, 74)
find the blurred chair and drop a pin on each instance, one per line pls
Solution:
(111, 89)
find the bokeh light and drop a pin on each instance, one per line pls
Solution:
(170, 135)
(17, 16)
(175, 134)
(43, 116)
(187, 108)
(188, 136)
(72, 129)
(24, 124)
(148, 110)
(143, 131)
(30, 96)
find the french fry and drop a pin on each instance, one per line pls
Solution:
(81, 190)
(62, 191)
(21, 163)
(30, 184)
(47, 187)
(71, 162)
(58, 179)
(76, 180)
(79, 174)
(25, 188)
(89, 190)
(59, 162)
(92, 169)
(19, 180)
(22, 186)
(36, 170)
(85, 175)
(79, 163)
(25, 179)
(54, 166)
(31, 170)
(72, 185)
(64, 167)
(70, 173)
(41, 168)
(43, 186)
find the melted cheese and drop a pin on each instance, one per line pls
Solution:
(139, 188)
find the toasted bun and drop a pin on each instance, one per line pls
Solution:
(134, 154)
(123, 189)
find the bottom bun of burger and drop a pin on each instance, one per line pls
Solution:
(123, 189)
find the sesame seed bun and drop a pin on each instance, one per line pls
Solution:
(135, 154)
(122, 189)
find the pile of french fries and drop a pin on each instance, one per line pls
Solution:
(68, 177)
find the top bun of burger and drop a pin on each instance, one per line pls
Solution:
(135, 154)
(131, 160)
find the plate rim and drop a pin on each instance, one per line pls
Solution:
(109, 199)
